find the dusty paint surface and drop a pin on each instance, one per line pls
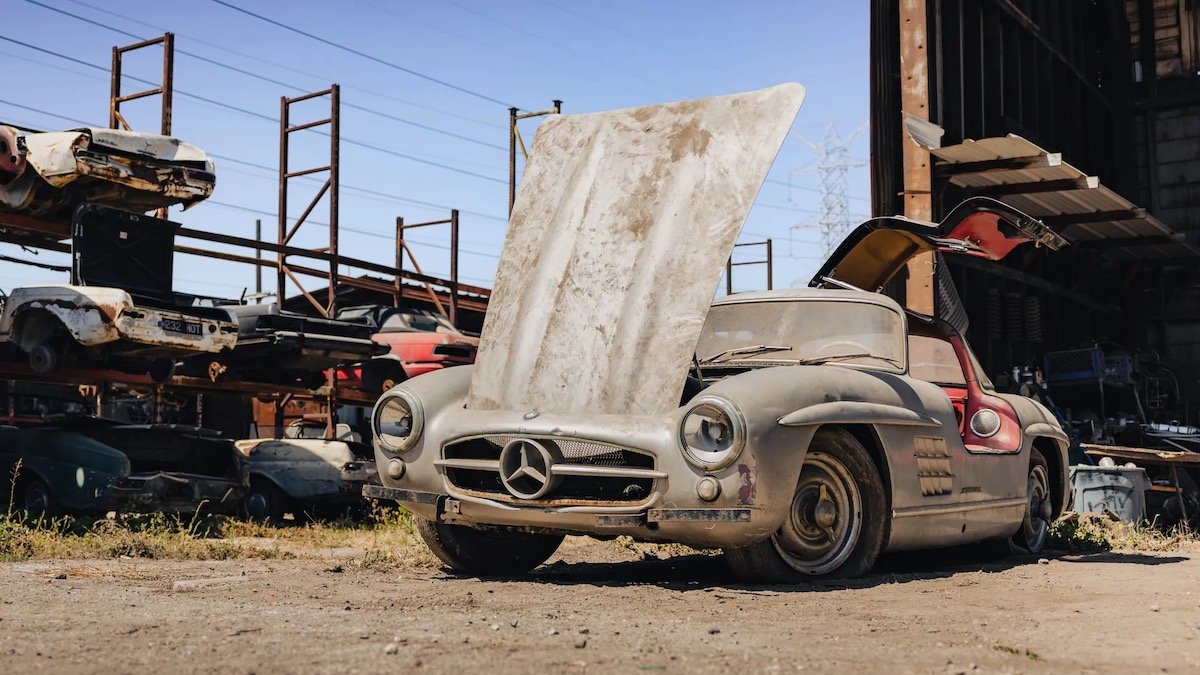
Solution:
(94, 315)
(137, 171)
(615, 247)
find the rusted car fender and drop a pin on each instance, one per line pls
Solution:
(306, 468)
(89, 318)
(78, 471)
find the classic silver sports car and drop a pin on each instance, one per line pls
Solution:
(802, 431)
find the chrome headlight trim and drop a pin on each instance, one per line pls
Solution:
(412, 405)
(982, 420)
(723, 450)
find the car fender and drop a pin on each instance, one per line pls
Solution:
(87, 315)
(301, 468)
(785, 406)
(856, 412)
(1039, 423)
(77, 485)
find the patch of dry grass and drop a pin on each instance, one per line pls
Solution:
(389, 537)
(1087, 532)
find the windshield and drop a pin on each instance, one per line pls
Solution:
(408, 320)
(804, 331)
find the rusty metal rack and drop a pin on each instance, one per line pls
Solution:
(165, 90)
(515, 141)
(402, 249)
(448, 296)
(768, 261)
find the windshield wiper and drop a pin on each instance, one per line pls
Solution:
(845, 357)
(746, 351)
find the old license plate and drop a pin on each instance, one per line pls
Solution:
(192, 328)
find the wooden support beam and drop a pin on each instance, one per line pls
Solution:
(1132, 242)
(946, 170)
(1093, 217)
(1036, 187)
(918, 177)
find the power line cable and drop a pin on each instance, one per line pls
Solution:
(416, 202)
(271, 80)
(559, 45)
(283, 66)
(250, 113)
(369, 57)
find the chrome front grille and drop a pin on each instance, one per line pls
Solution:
(583, 472)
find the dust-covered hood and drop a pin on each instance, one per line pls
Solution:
(615, 247)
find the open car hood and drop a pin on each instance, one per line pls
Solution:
(615, 247)
(982, 227)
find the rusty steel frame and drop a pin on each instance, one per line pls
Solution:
(330, 187)
(49, 235)
(768, 260)
(402, 249)
(166, 89)
(515, 140)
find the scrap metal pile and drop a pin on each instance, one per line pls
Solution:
(120, 316)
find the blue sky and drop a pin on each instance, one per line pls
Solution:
(593, 55)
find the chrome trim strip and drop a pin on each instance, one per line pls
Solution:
(569, 469)
(474, 464)
(962, 507)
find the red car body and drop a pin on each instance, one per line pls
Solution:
(419, 342)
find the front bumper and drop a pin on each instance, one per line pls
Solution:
(454, 510)
(667, 506)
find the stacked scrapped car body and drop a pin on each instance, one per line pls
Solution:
(121, 313)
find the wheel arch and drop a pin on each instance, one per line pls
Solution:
(377, 370)
(868, 436)
(33, 325)
(266, 477)
(1052, 452)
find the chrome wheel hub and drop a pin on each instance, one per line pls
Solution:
(1037, 520)
(256, 505)
(825, 519)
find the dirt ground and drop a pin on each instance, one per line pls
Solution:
(601, 607)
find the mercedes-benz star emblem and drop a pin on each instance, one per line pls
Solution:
(526, 468)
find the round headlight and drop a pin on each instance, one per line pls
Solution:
(985, 423)
(712, 433)
(397, 421)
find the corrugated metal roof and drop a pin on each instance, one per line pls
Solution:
(1042, 166)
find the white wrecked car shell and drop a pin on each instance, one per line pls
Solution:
(130, 170)
(635, 208)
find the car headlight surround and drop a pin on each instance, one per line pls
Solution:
(398, 420)
(712, 433)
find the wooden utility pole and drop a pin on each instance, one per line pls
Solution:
(914, 101)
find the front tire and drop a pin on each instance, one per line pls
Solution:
(44, 358)
(36, 501)
(264, 501)
(161, 370)
(835, 525)
(487, 553)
